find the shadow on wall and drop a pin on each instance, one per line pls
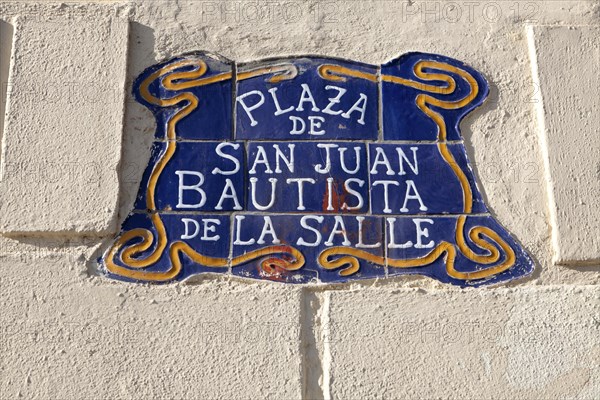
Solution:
(139, 126)
(6, 34)
(138, 133)
(466, 128)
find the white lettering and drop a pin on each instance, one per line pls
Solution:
(360, 243)
(228, 157)
(315, 122)
(261, 158)
(402, 156)
(338, 228)
(228, 193)
(288, 161)
(249, 109)
(334, 100)
(238, 232)
(381, 159)
(342, 150)
(187, 234)
(357, 107)
(411, 185)
(329, 194)
(279, 111)
(385, 184)
(319, 168)
(295, 130)
(196, 187)
(354, 193)
(253, 181)
(306, 96)
(392, 244)
(268, 229)
(423, 233)
(300, 182)
(304, 224)
(210, 228)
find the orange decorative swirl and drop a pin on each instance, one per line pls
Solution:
(349, 259)
(174, 80)
(279, 72)
(337, 73)
(178, 248)
(483, 237)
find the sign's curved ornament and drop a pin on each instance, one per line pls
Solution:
(311, 169)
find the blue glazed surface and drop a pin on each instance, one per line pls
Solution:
(215, 161)
(212, 119)
(216, 225)
(328, 231)
(402, 118)
(216, 213)
(418, 176)
(442, 229)
(333, 123)
(320, 167)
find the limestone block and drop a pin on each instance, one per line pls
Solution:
(66, 337)
(525, 343)
(62, 140)
(566, 61)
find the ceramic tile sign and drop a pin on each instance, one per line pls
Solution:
(311, 170)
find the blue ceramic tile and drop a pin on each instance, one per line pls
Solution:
(199, 176)
(213, 91)
(311, 235)
(416, 179)
(208, 238)
(304, 105)
(307, 177)
(215, 196)
(403, 119)
(416, 238)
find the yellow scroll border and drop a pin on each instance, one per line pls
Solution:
(344, 258)
(176, 81)
(479, 235)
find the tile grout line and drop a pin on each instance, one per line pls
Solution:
(314, 344)
(379, 106)
(325, 337)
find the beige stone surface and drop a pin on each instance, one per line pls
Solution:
(67, 336)
(526, 343)
(68, 333)
(501, 136)
(569, 114)
(61, 142)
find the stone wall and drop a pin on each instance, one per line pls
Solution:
(75, 144)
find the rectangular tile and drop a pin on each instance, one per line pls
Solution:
(307, 177)
(211, 118)
(200, 176)
(420, 179)
(414, 89)
(312, 236)
(454, 249)
(206, 235)
(290, 99)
